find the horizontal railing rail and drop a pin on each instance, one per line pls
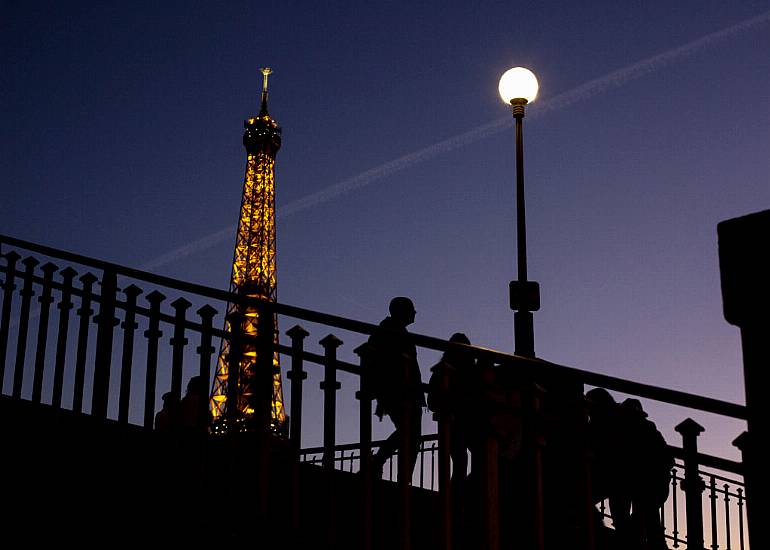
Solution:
(674, 397)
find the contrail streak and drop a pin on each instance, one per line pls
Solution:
(583, 92)
(190, 248)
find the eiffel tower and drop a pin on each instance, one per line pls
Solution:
(254, 266)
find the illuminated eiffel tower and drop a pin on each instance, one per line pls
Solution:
(254, 265)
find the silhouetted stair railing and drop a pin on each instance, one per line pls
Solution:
(347, 458)
(723, 497)
(98, 352)
(725, 500)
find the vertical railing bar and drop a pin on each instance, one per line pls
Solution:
(675, 507)
(740, 518)
(297, 376)
(129, 327)
(728, 545)
(364, 396)
(153, 334)
(178, 343)
(64, 306)
(84, 312)
(690, 430)
(21, 342)
(9, 285)
(713, 508)
(205, 350)
(421, 450)
(432, 467)
(106, 322)
(330, 386)
(45, 300)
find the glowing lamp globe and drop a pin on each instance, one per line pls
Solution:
(518, 83)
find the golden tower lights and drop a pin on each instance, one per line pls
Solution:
(254, 265)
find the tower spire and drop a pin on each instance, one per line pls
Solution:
(266, 71)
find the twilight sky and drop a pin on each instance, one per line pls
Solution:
(121, 139)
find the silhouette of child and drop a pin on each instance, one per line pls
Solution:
(193, 411)
(167, 419)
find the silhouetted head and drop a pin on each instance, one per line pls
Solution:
(458, 338)
(170, 399)
(402, 310)
(634, 407)
(196, 385)
(599, 401)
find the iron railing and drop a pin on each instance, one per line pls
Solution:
(89, 357)
(724, 498)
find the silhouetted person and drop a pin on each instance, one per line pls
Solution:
(604, 445)
(194, 417)
(603, 441)
(646, 464)
(396, 382)
(631, 468)
(167, 419)
(451, 396)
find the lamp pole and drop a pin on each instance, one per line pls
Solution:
(518, 87)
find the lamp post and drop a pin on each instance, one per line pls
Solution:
(518, 87)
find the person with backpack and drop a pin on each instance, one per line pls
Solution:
(451, 396)
(396, 383)
(647, 461)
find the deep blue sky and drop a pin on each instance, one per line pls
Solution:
(121, 139)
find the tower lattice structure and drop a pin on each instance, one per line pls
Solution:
(254, 267)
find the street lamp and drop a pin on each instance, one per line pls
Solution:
(518, 87)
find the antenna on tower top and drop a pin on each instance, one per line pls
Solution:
(266, 71)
